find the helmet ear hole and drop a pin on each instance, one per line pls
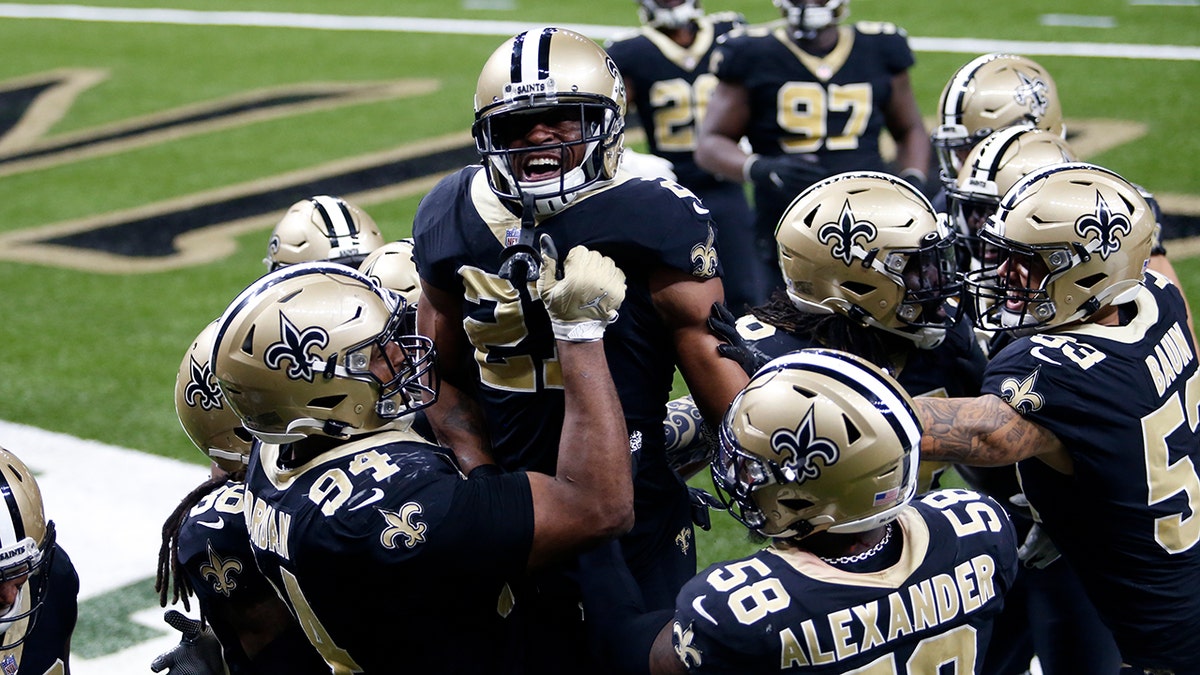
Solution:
(1090, 281)
(327, 402)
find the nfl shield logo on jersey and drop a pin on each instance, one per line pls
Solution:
(9, 664)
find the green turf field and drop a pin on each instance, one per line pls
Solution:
(142, 165)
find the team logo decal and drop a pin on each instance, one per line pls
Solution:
(801, 448)
(220, 571)
(1105, 225)
(1033, 94)
(845, 232)
(294, 347)
(403, 523)
(202, 390)
(688, 654)
(684, 540)
(9, 665)
(704, 257)
(1020, 394)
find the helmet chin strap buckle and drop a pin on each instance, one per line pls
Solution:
(520, 261)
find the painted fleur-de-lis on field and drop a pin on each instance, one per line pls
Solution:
(201, 389)
(1104, 224)
(294, 346)
(220, 572)
(845, 232)
(799, 449)
(1020, 394)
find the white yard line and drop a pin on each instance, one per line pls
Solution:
(401, 24)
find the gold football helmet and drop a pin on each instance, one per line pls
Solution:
(992, 92)
(1067, 240)
(804, 20)
(392, 266)
(26, 546)
(562, 75)
(322, 228)
(206, 419)
(317, 349)
(870, 246)
(818, 440)
(668, 14)
(992, 167)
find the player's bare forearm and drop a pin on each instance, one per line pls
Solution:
(981, 431)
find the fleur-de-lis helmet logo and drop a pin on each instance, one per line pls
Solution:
(1104, 225)
(202, 389)
(1033, 93)
(845, 233)
(294, 347)
(799, 449)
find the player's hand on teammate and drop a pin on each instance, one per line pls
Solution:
(786, 173)
(1037, 551)
(723, 324)
(581, 293)
(198, 651)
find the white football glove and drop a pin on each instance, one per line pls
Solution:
(647, 166)
(1037, 551)
(581, 294)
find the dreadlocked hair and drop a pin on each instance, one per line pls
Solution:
(835, 331)
(170, 577)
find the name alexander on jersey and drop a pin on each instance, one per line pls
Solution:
(916, 607)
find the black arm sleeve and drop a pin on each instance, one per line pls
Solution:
(619, 628)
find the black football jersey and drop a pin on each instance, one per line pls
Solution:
(788, 611)
(832, 106)
(671, 86)
(643, 225)
(1125, 402)
(45, 650)
(390, 559)
(953, 368)
(214, 547)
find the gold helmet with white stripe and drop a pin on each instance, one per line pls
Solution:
(818, 440)
(322, 228)
(26, 548)
(554, 77)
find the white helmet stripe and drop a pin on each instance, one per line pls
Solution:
(959, 88)
(531, 56)
(337, 218)
(12, 528)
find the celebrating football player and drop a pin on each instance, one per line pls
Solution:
(39, 588)
(812, 96)
(1096, 400)
(819, 456)
(549, 124)
(206, 549)
(322, 228)
(387, 554)
(665, 68)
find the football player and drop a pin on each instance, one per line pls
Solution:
(989, 93)
(39, 588)
(549, 125)
(665, 68)
(206, 548)
(812, 96)
(818, 455)
(996, 91)
(1095, 400)
(869, 268)
(322, 228)
(387, 554)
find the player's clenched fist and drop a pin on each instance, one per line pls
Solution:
(581, 294)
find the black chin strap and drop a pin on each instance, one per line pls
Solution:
(521, 261)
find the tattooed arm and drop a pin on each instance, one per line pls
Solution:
(985, 431)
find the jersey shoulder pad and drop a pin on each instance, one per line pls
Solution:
(622, 37)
